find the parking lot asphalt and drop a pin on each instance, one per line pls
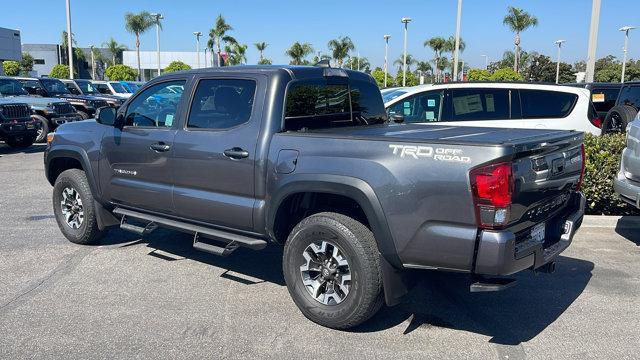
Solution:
(158, 298)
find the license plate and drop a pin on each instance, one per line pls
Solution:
(30, 126)
(537, 232)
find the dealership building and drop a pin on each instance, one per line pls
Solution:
(10, 46)
(149, 60)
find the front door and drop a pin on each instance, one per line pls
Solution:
(215, 152)
(137, 157)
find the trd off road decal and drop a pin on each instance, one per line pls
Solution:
(438, 154)
(125, 172)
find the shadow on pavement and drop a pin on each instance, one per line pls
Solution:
(510, 317)
(629, 228)
(35, 148)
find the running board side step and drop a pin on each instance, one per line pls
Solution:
(233, 240)
(482, 284)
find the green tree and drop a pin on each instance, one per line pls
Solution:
(340, 48)
(450, 46)
(218, 35)
(478, 75)
(543, 69)
(356, 63)
(176, 65)
(60, 71)
(78, 54)
(378, 76)
(115, 49)
(518, 21)
(399, 61)
(412, 79)
(506, 74)
(26, 64)
(298, 52)
(138, 24)
(437, 44)
(261, 46)
(121, 72)
(237, 53)
(264, 61)
(11, 68)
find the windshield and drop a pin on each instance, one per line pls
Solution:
(117, 87)
(87, 87)
(386, 97)
(55, 86)
(133, 86)
(11, 87)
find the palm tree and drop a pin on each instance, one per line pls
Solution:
(114, 48)
(359, 63)
(437, 44)
(297, 52)
(218, 34)
(518, 21)
(340, 48)
(237, 53)
(261, 46)
(399, 62)
(138, 24)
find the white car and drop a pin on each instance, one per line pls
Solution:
(111, 88)
(512, 105)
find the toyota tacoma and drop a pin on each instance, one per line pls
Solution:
(304, 156)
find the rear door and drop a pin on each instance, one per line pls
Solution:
(215, 151)
(135, 170)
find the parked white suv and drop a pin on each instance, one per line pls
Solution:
(512, 105)
(111, 88)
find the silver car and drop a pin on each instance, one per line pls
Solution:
(627, 182)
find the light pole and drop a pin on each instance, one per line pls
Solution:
(93, 64)
(456, 51)
(158, 17)
(386, 53)
(69, 45)
(198, 34)
(486, 61)
(559, 43)
(593, 40)
(405, 21)
(625, 29)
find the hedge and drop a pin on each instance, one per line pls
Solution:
(603, 163)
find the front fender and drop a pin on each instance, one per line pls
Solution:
(71, 152)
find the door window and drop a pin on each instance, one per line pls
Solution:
(479, 104)
(219, 103)
(152, 108)
(422, 107)
(538, 104)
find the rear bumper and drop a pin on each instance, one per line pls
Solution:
(499, 252)
(628, 190)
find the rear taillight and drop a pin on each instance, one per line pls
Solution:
(597, 122)
(492, 187)
(584, 160)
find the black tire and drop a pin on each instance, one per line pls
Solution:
(43, 128)
(617, 119)
(22, 141)
(87, 232)
(356, 242)
(83, 114)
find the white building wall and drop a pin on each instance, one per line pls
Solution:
(149, 59)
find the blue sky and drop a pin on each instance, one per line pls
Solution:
(280, 23)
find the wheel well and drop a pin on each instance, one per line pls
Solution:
(298, 206)
(60, 164)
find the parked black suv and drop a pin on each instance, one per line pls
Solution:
(17, 129)
(603, 95)
(86, 87)
(625, 108)
(85, 105)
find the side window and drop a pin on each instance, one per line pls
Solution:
(538, 104)
(316, 104)
(366, 103)
(423, 107)
(153, 109)
(630, 96)
(479, 104)
(219, 103)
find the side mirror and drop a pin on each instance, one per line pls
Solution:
(397, 118)
(106, 115)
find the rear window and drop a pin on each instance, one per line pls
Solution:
(546, 104)
(604, 99)
(316, 104)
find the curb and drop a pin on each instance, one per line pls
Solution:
(604, 221)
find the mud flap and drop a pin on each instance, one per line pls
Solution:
(395, 282)
(105, 218)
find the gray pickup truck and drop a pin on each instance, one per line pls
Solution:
(305, 157)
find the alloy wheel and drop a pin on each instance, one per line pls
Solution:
(326, 274)
(72, 209)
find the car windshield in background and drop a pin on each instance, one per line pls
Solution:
(87, 87)
(54, 86)
(11, 87)
(133, 87)
(386, 97)
(117, 87)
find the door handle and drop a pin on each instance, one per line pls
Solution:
(236, 153)
(160, 147)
